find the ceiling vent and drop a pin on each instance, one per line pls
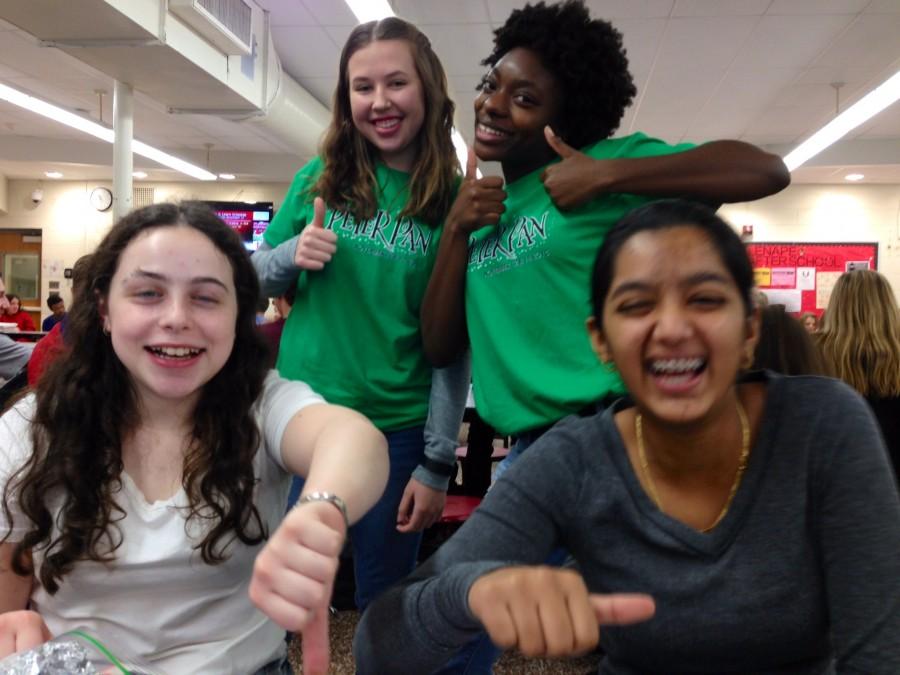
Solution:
(224, 23)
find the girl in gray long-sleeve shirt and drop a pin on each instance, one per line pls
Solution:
(761, 516)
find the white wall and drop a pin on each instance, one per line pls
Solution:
(71, 227)
(809, 213)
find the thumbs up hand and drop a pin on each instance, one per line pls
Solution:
(573, 181)
(479, 201)
(316, 244)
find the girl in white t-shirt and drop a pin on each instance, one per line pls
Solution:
(144, 482)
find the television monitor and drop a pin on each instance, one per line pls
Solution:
(248, 219)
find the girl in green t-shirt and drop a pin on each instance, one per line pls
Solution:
(357, 236)
(515, 254)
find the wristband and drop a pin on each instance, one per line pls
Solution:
(332, 499)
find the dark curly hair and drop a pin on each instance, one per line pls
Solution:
(86, 405)
(348, 179)
(587, 58)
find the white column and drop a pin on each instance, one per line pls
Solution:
(123, 161)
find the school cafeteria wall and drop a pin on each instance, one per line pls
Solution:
(71, 227)
(829, 213)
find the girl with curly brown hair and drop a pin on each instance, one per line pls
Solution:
(145, 480)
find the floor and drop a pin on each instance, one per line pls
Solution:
(343, 624)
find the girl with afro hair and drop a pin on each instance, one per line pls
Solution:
(514, 261)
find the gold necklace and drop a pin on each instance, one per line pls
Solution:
(742, 463)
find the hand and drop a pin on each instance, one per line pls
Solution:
(316, 244)
(571, 182)
(420, 507)
(546, 611)
(479, 201)
(294, 574)
(21, 631)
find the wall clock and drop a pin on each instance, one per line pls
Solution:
(101, 198)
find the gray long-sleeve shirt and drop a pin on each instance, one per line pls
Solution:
(801, 576)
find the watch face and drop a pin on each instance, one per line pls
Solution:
(101, 198)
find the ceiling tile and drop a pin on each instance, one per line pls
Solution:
(424, 12)
(790, 41)
(720, 7)
(447, 40)
(288, 12)
(872, 41)
(817, 7)
(641, 38)
(618, 9)
(330, 12)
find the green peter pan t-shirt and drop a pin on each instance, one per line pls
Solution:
(528, 296)
(353, 332)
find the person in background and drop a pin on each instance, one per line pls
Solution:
(810, 321)
(144, 482)
(860, 341)
(58, 308)
(13, 355)
(272, 330)
(53, 343)
(757, 511)
(15, 314)
(357, 237)
(785, 346)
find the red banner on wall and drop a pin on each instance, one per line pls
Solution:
(800, 275)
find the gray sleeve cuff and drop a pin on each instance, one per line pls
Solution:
(275, 267)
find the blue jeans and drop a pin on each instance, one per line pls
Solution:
(381, 555)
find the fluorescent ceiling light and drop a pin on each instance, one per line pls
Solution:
(58, 114)
(370, 10)
(53, 174)
(868, 106)
(854, 177)
(227, 176)
(139, 174)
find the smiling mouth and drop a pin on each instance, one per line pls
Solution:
(175, 352)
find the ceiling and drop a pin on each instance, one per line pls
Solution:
(756, 70)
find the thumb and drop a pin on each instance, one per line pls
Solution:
(315, 646)
(318, 212)
(471, 163)
(406, 503)
(622, 608)
(560, 147)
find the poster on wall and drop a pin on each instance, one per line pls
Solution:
(801, 275)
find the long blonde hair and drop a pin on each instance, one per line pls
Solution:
(860, 338)
(348, 179)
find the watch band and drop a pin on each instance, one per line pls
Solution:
(331, 499)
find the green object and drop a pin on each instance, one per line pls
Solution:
(528, 296)
(353, 331)
(103, 650)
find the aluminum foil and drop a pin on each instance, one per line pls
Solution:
(59, 657)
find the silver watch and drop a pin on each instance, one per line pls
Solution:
(331, 499)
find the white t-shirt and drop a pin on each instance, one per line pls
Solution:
(158, 600)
